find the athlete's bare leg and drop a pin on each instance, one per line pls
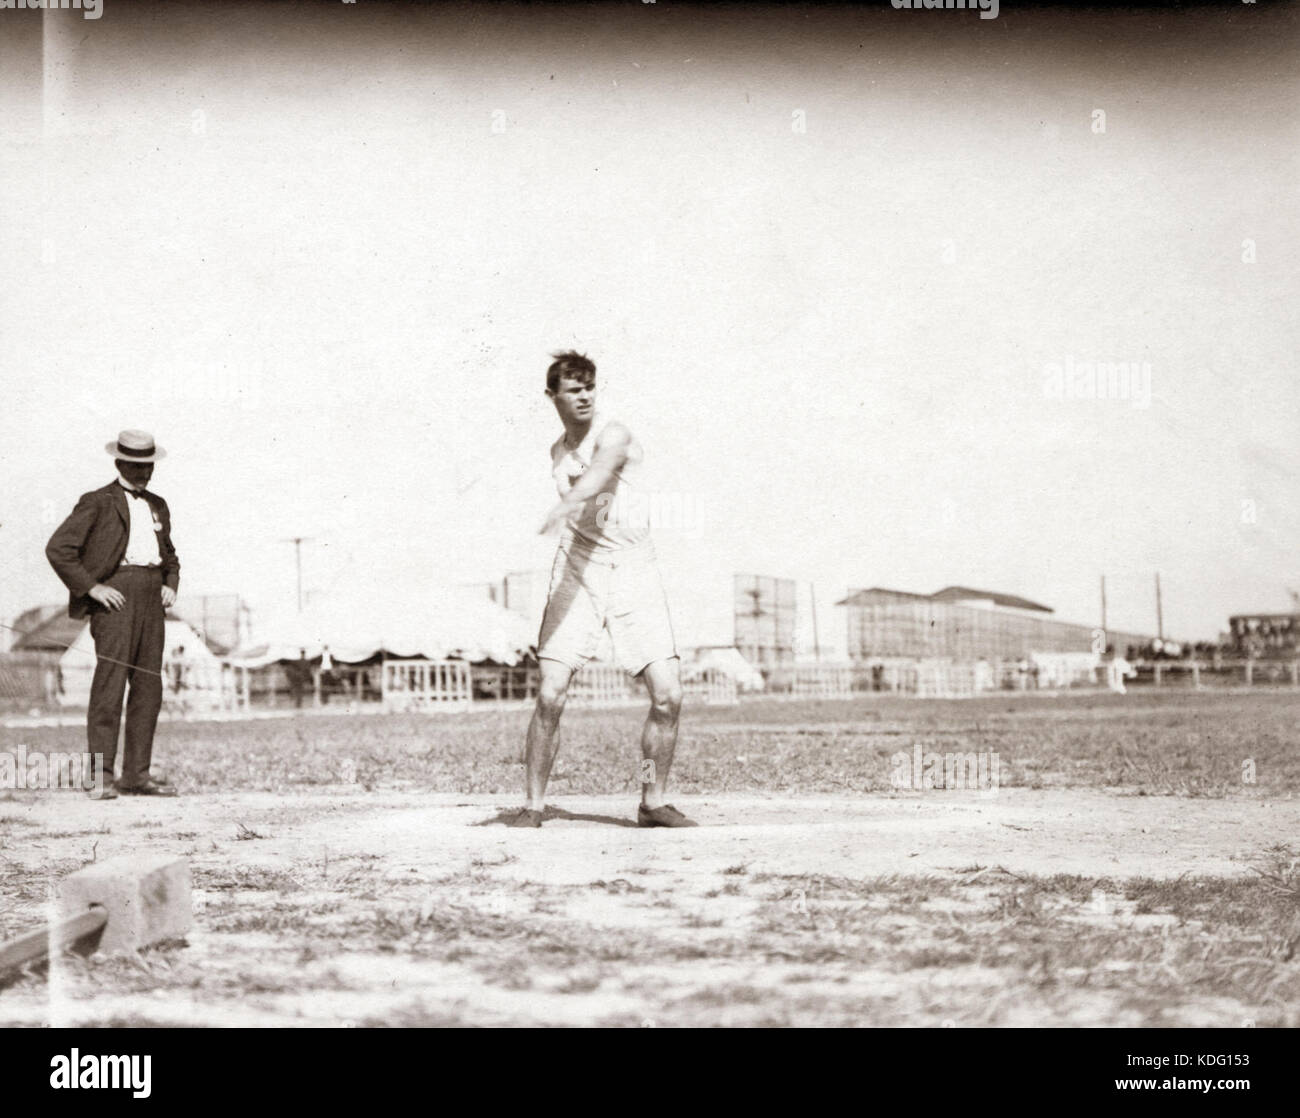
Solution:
(544, 729)
(659, 737)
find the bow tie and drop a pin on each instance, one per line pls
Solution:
(135, 493)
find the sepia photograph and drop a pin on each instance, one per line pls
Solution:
(442, 439)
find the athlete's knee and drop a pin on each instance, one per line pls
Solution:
(551, 697)
(666, 703)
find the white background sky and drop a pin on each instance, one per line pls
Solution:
(332, 292)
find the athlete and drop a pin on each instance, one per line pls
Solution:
(604, 577)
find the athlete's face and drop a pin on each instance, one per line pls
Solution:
(574, 400)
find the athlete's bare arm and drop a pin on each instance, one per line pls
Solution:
(606, 460)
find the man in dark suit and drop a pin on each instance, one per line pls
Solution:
(115, 555)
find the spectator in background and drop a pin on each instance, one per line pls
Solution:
(328, 680)
(114, 553)
(298, 673)
(177, 668)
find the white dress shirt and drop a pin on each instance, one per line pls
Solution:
(142, 543)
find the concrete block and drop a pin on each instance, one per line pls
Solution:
(147, 898)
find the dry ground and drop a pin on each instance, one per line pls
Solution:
(1123, 874)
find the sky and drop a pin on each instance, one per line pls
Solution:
(838, 269)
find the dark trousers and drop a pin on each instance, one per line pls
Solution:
(129, 646)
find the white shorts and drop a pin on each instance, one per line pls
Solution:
(621, 591)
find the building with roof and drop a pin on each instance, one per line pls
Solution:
(962, 623)
(55, 631)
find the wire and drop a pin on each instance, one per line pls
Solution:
(96, 655)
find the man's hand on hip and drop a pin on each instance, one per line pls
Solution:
(107, 597)
(168, 597)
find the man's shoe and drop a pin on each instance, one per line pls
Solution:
(148, 788)
(107, 792)
(666, 816)
(525, 818)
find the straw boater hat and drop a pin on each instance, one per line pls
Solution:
(135, 446)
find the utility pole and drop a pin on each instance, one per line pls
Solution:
(817, 644)
(1103, 603)
(1160, 613)
(297, 542)
(756, 613)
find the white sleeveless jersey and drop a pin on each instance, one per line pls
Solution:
(616, 518)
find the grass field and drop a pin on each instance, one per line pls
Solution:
(1139, 864)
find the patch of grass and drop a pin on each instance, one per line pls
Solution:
(1158, 743)
(481, 862)
(1146, 946)
(1232, 938)
(580, 984)
(618, 885)
(102, 829)
(731, 995)
(416, 1016)
(699, 920)
(256, 878)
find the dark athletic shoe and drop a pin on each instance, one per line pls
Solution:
(666, 816)
(148, 788)
(526, 818)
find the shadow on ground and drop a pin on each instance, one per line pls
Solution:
(504, 816)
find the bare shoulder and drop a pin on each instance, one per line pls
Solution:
(614, 435)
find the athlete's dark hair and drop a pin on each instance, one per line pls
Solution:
(571, 364)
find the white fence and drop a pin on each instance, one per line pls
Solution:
(426, 685)
(1201, 676)
(604, 685)
(205, 687)
(924, 679)
(945, 681)
(712, 687)
(447, 685)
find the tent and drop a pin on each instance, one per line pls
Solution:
(443, 624)
(186, 659)
(730, 662)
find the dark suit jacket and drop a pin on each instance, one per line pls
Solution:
(88, 547)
